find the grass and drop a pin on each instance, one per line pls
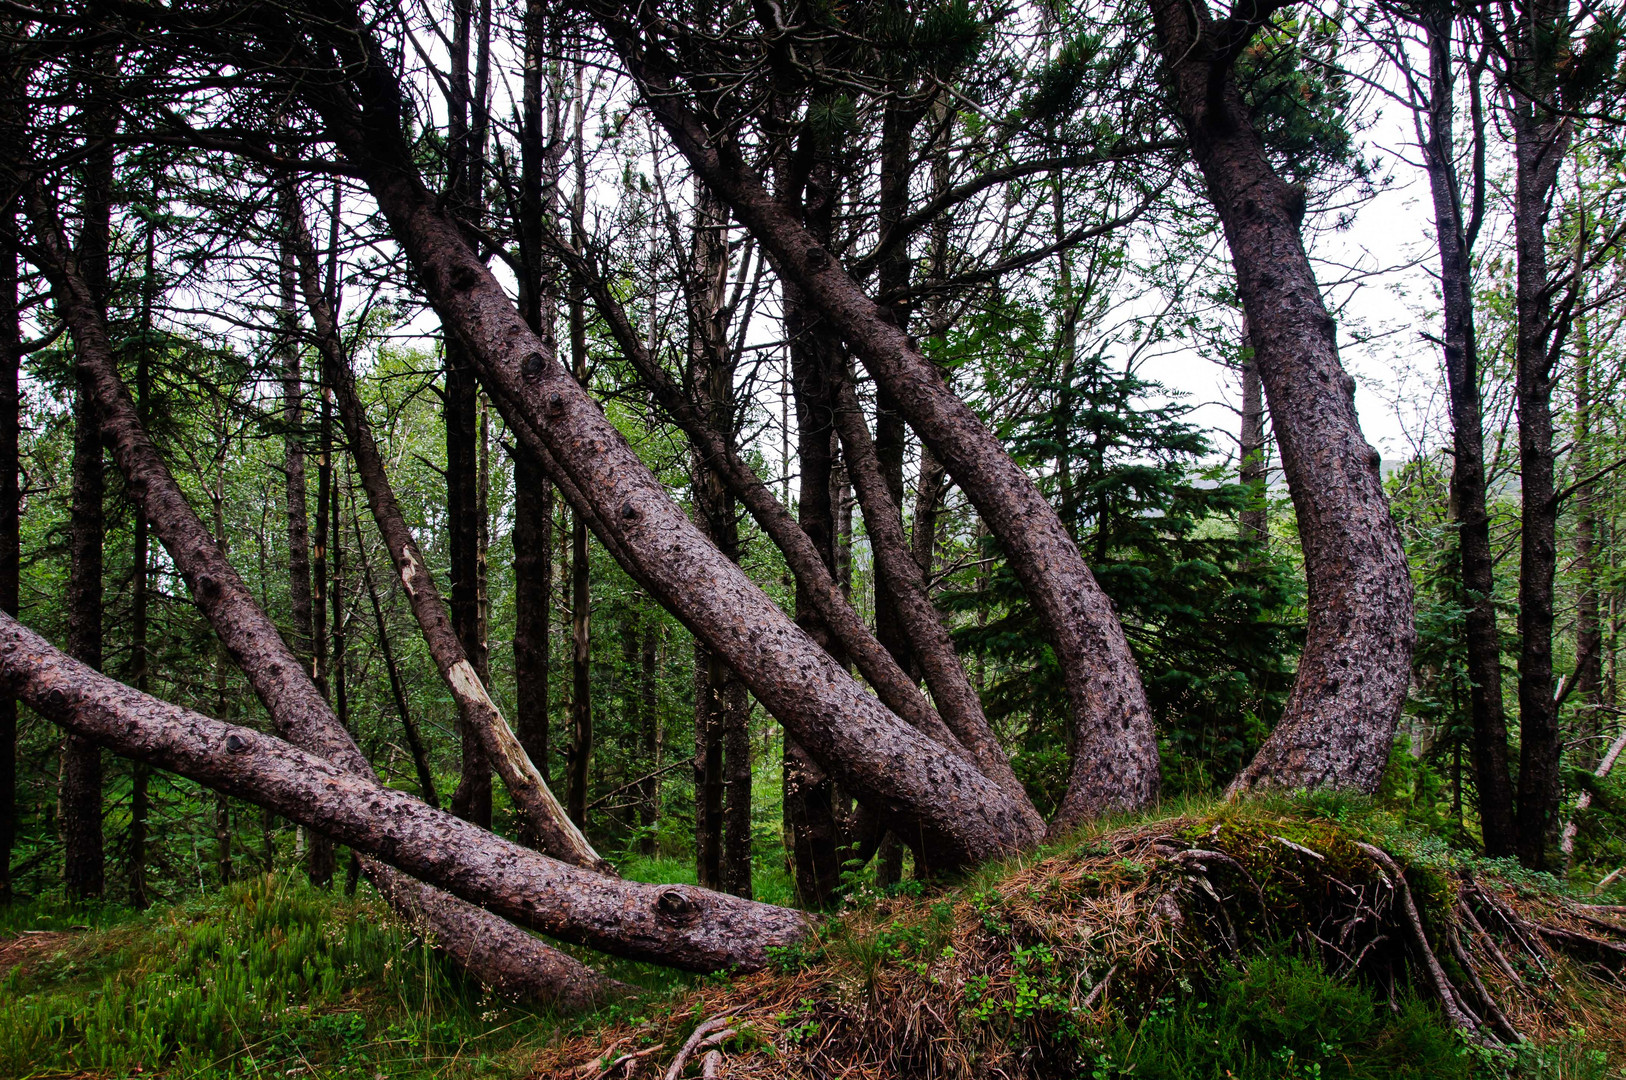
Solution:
(266, 978)
(271, 978)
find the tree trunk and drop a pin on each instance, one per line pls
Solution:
(293, 458)
(319, 859)
(472, 799)
(649, 789)
(1338, 726)
(1115, 766)
(913, 612)
(936, 798)
(816, 585)
(478, 715)
(1468, 481)
(296, 706)
(1254, 474)
(10, 540)
(677, 925)
(81, 784)
(1541, 139)
(533, 591)
(581, 643)
(1587, 681)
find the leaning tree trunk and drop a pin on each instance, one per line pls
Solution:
(480, 718)
(1115, 761)
(297, 708)
(677, 925)
(1339, 723)
(956, 815)
(1468, 481)
(816, 585)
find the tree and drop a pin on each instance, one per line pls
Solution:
(1340, 718)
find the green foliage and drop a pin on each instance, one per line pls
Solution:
(262, 977)
(1280, 1016)
(1209, 615)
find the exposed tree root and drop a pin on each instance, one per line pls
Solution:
(1003, 981)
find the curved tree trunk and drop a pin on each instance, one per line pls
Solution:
(1115, 761)
(1340, 718)
(957, 815)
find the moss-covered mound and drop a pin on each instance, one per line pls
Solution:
(1266, 940)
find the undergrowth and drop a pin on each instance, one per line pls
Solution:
(267, 978)
(1115, 953)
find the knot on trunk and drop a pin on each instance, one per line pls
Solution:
(675, 906)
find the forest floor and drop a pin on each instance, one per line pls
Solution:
(1261, 940)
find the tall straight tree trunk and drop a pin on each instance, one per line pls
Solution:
(319, 858)
(140, 586)
(293, 464)
(83, 868)
(533, 624)
(581, 653)
(533, 493)
(472, 799)
(937, 799)
(1254, 473)
(10, 533)
(581, 645)
(722, 705)
(649, 790)
(1339, 723)
(1455, 233)
(1541, 138)
(482, 943)
(1587, 682)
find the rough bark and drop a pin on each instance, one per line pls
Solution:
(1468, 480)
(722, 705)
(1541, 137)
(297, 708)
(676, 925)
(815, 584)
(1115, 765)
(581, 631)
(80, 793)
(533, 589)
(533, 493)
(10, 504)
(936, 799)
(479, 715)
(916, 617)
(135, 853)
(293, 463)
(1338, 726)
